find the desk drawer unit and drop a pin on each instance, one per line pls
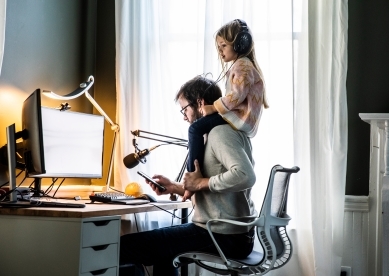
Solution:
(60, 246)
(100, 246)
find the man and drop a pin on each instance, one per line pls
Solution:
(221, 190)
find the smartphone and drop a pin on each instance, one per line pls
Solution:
(160, 187)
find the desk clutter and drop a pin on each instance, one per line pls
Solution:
(68, 197)
(118, 198)
(41, 203)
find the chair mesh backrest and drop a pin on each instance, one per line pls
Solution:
(279, 195)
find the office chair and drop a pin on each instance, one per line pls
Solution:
(271, 232)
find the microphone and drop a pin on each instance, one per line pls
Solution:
(133, 159)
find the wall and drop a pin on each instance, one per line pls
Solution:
(48, 45)
(105, 81)
(367, 84)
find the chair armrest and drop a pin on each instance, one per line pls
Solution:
(256, 222)
(276, 221)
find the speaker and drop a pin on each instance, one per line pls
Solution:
(243, 39)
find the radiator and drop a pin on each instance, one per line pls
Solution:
(355, 234)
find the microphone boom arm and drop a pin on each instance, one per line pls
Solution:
(174, 141)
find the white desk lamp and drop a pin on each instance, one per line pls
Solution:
(83, 89)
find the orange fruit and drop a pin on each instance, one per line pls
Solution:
(133, 189)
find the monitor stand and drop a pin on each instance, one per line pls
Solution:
(11, 151)
(37, 187)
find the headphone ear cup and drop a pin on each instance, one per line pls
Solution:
(242, 42)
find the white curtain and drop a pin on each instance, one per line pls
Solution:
(3, 9)
(161, 44)
(320, 133)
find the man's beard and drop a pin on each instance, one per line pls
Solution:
(197, 114)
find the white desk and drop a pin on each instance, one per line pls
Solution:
(65, 241)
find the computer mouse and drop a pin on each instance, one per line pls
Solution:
(148, 197)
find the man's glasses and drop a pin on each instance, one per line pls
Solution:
(183, 110)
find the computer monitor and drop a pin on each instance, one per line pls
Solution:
(33, 138)
(60, 143)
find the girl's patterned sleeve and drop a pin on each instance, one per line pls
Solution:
(240, 78)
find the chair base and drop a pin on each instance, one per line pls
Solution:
(237, 266)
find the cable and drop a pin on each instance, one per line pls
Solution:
(173, 213)
(5, 183)
(116, 190)
(136, 223)
(48, 190)
(3, 196)
(25, 177)
(9, 192)
(59, 186)
(218, 78)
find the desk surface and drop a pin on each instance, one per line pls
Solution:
(93, 209)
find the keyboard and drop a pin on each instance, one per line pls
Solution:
(116, 198)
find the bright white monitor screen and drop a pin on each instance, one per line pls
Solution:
(73, 144)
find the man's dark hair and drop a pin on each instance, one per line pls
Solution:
(199, 88)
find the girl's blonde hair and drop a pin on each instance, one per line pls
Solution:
(229, 32)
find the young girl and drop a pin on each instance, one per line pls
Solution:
(245, 96)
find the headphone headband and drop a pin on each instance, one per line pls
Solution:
(243, 25)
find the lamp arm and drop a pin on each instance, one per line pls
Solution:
(114, 126)
(111, 160)
(72, 95)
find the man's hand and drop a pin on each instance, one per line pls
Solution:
(187, 195)
(194, 181)
(164, 181)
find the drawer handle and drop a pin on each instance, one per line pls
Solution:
(100, 247)
(101, 222)
(99, 272)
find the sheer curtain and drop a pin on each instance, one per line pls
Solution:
(320, 133)
(162, 44)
